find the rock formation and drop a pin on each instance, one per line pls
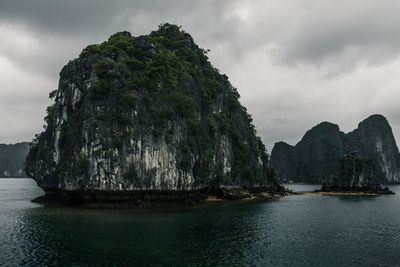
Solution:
(12, 158)
(284, 160)
(147, 113)
(317, 156)
(355, 174)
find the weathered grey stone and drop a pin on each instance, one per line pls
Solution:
(158, 144)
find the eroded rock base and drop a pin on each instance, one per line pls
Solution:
(151, 199)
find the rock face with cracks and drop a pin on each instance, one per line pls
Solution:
(147, 113)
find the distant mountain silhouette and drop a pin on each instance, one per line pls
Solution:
(12, 158)
(317, 155)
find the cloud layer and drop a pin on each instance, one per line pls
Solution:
(295, 62)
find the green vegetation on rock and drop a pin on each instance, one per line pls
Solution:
(148, 112)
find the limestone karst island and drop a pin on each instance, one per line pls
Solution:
(147, 119)
(363, 160)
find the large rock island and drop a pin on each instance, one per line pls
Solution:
(147, 118)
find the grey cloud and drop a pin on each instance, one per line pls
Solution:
(309, 31)
(326, 29)
(64, 28)
(62, 17)
(96, 17)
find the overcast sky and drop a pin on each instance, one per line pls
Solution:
(294, 62)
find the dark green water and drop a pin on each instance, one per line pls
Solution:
(289, 231)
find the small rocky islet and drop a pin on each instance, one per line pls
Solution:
(148, 119)
(355, 175)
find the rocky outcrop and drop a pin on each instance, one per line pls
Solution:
(355, 174)
(147, 113)
(374, 139)
(12, 158)
(317, 156)
(284, 160)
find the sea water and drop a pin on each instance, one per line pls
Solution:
(299, 230)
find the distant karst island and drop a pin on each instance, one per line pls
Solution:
(12, 158)
(139, 120)
(320, 153)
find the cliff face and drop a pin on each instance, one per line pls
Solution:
(147, 113)
(376, 142)
(318, 152)
(317, 156)
(12, 158)
(283, 158)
